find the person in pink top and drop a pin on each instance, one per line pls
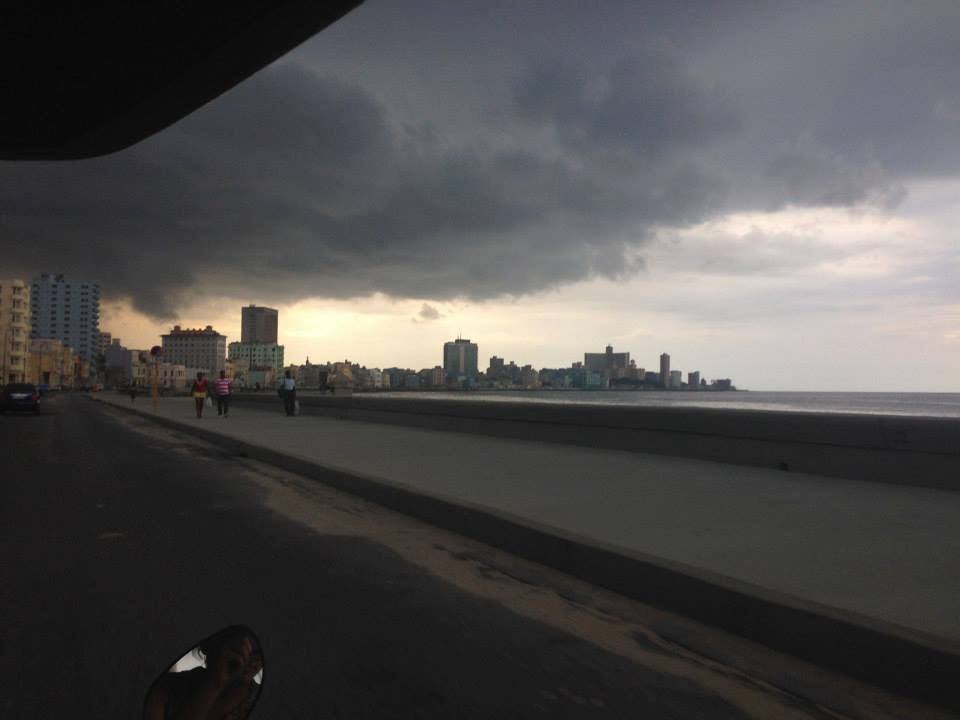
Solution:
(221, 388)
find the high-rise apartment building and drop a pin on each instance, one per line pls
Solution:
(693, 380)
(257, 349)
(676, 379)
(665, 370)
(204, 349)
(14, 330)
(460, 359)
(68, 311)
(258, 325)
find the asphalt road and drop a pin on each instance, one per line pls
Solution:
(119, 550)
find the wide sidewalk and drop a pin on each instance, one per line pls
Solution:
(884, 551)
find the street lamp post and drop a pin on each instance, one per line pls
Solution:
(155, 353)
(4, 357)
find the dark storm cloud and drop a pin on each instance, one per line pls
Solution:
(644, 105)
(523, 150)
(296, 185)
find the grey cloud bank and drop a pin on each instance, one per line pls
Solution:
(482, 150)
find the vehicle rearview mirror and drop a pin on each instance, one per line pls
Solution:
(219, 676)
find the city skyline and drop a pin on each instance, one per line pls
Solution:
(259, 359)
(461, 359)
(385, 334)
(409, 350)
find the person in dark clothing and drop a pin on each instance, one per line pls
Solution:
(288, 388)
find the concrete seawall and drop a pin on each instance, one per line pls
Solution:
(918, 451)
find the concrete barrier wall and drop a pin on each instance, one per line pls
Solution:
(916, 451)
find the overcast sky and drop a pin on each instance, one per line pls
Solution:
(767, 191)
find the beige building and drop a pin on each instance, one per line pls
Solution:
(205, 349)
(437, 377)
(169, 376)
(50, 362)
(14, 330)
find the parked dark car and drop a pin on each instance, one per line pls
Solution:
(20, 396)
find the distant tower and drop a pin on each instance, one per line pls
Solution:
(258, 325)
(665, 370)
(460, 358)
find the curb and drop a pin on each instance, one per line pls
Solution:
(859, 647)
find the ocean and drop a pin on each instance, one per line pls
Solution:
(866, 403)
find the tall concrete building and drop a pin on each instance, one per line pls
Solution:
(606, 361)
(258, 325)
(204, 349)
(665, 370)
(460, 359)
(676, 379)
(68, 311)
(14, 330)
(693, 380)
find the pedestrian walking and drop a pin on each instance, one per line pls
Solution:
(221, 388)
(288, 387)
(199, 392)
(133, 393)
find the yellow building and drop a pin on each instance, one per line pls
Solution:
(51, 363)
(14, 330)
(236, 370)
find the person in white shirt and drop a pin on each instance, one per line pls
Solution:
(288, 388)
